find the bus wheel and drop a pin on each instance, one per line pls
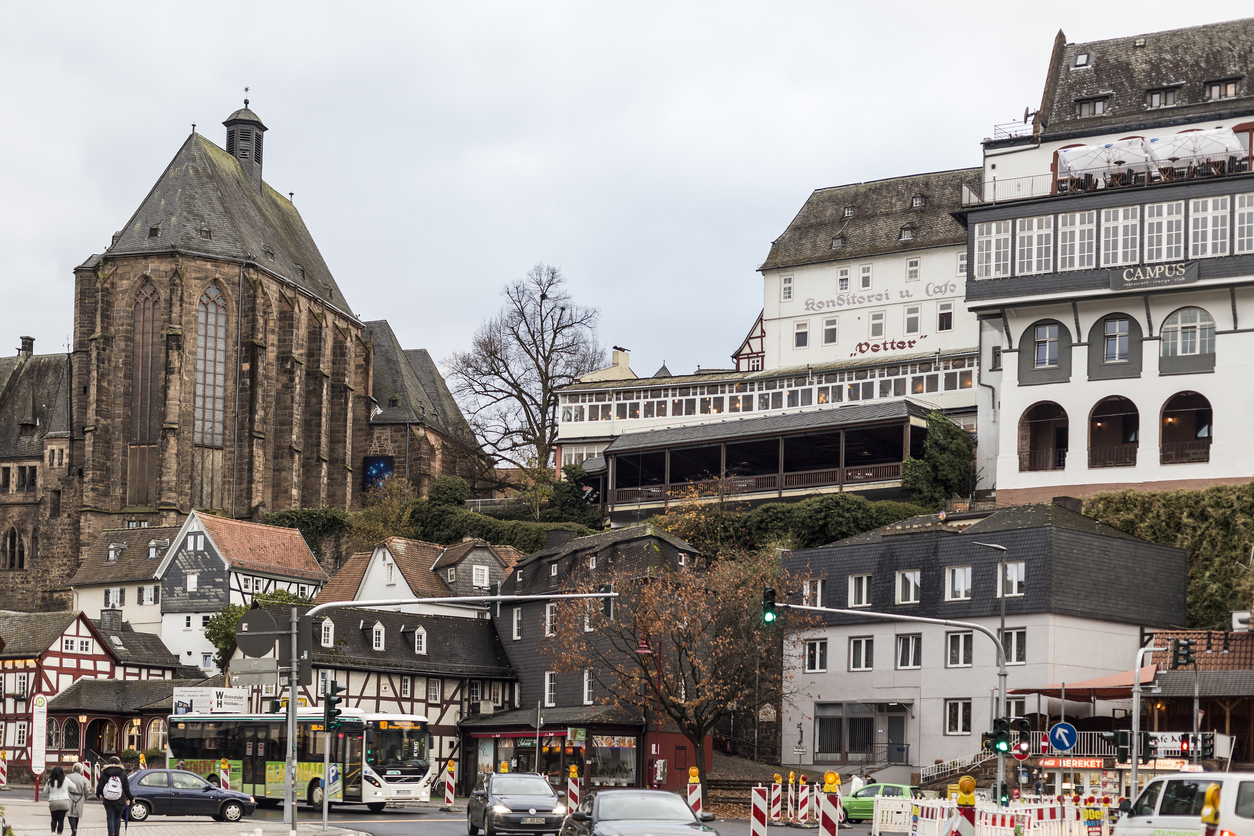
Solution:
(376, 806)
(315, 793)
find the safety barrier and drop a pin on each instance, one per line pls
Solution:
(1044, 818)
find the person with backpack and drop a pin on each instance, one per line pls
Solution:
(115, 791)
(79, 785)
(58, 798)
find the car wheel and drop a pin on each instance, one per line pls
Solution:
(844, 816)
(488, 829)
(232, 811)
(140, 810)
(470, 826)
(377, 806)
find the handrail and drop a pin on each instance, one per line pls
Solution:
(950, 767)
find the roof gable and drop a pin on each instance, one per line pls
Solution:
(131, 547)
(263, 548)
(29, 634)
(33, 391)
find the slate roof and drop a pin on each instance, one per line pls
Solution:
(132, 564)
(166, 704)
(757, 424)
(537, 579)
(433, 383)
(344, 584)
(112, 696)
(263, 548)
(1010, 518)
(557, 717)
(27, 634)
(1210, 683)
(455, 645)
(880, 209)
(135, 648)
(1123, 72)
(33, 390)
(782, 372)
(204, 186)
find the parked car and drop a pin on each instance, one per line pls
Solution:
(1174, 803)
(861, 805)
(514, 802)
(177, 792)
(628, 812)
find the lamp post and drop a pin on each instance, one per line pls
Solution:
(1001, 635)
(643, 649)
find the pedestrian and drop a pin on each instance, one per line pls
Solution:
(115, 790)
(79, 784)
(855, 783)
(1039, 786)
(58, 798)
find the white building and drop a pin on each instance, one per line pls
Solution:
(897, 696)
(1111, 253)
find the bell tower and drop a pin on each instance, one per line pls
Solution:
(244, 140)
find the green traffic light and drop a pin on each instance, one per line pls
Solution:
(768, 617)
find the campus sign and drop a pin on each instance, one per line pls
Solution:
(1153, 275)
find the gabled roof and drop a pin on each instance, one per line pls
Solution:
(437, 390)
(35, 391)
(455, 645)
(346, 581)
(415, 559)
(135, 648)
(620, 541)
(132, 564)
(27, 634)
(1010, 518)
(112, 696)
(455, 554)
(880, 209)
(204, 187)
(1124, 70)
(262, 548)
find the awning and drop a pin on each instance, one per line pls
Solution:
(1110, 156)
(1117, 686)
(1220, 143)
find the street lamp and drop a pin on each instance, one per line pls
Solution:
(643, 649)
(1001, 697)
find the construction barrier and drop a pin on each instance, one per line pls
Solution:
(694, 798)
(931, 817)
(803, 801)
(4, 769)
(777, 802)
(449, 783)
(829, 813)
(572, 789)
(224, 774)
(757, 821)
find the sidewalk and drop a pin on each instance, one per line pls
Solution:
(28, 818)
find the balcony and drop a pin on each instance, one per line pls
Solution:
(1123, 455)
(1184, 452)
(743, 485)
(1050, 458)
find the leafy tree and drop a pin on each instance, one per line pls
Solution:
(220, 631)
(567, 503)
(449, 490)
(711, 653)
(947, 467)
(508, 381)
(319, 526)
(385, 513)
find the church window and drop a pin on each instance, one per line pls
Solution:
(146, 369)
(209, 413)
(12, 551)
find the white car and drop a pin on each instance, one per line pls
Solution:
(1171, 805)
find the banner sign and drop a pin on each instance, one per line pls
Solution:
(210, 701)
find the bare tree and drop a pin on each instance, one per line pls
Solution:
(709, 656)
(507, 382)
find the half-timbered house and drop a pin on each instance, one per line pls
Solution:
(45, 653)
(120, 573)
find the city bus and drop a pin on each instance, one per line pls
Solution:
(375, 758)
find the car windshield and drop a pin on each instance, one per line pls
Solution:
(616, 806)
(521, 785)
(394, 747)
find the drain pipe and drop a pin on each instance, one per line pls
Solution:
(239, 345)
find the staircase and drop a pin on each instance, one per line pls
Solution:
(981, 766)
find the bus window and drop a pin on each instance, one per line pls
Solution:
(398, 745)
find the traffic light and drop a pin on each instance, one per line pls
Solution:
(607, 604)
(1118, 739)
(1024, 727)
(1149, 747)
(987, 740)
(1003, 794)
(1001, 735)
(275, 706)
(1186, 744)
(768, 606)
(493, 607)
(1182, 653)
(1207, 744)
(330, 702)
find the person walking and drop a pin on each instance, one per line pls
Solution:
(58, 798)
(79, 785)
(115, 790)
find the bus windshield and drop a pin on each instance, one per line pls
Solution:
(397, 744)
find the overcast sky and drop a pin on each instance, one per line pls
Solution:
(437, 151)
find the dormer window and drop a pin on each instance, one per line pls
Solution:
(1162, 98)
(838, 242)
(269, 252)
(394, 402)
(592, 563)
(1082, 60)
(480, 576)
(1226, 89)
(206, 233)
(848, 213)
(328, 633)
(906, 234)
(452, 574)
(376, 637)
(918, 202)
(420, 641)
(1090, 107)
(115, 549)
(155, 547)
(518, 578)
(553, 570)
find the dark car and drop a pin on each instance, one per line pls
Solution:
(636, 813)
(514, 802)
(177, 792)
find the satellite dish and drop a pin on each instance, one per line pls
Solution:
(1027, 113)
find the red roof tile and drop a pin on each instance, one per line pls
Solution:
(1240, 655)
(263, 548)
(344, 584)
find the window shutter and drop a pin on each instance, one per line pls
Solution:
(156, 593)
(122, 597)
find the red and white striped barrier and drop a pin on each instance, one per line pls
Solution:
(777, 802)
(448, 789)
(791, 811)
(803, 803)
(4, 769)
(829, 813)
(694, 798)
(572, 791)
(757, 821)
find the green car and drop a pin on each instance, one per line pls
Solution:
(861, 805)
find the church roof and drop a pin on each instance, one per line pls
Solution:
(244, 115)
(33, 390)
(411, 379)
(204, 204)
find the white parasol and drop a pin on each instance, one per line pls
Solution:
(1220, 143)
(1092, 159)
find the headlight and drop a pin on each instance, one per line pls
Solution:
(373, 781)
(252, 800)
(560, 809)
(500, 809)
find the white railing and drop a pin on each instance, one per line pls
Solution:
(1029, 818)
(930, 773)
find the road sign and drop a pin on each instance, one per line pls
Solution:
(256, 633)
(1063, 737)
(798, 750)
(39, 730)
(1021, 754)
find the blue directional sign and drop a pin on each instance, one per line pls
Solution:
(1063, 737)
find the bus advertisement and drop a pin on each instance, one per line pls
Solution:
(375, 758)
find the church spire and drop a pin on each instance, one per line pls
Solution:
(243, 142)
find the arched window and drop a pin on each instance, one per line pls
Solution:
(69, 735)
(1187, 429)
(134, 735)
(53, 738)
(420, 641)
(376, 638)
(1043, 438)
(328, 633)
(109, 738)
(146, 368)
(158, 733)
(1188, 331)
(210, 404)
(1114, 433)
(12, 551)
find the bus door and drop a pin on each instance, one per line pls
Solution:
(258, 740)
(352, 766)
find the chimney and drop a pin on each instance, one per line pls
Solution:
(111, 620)
(622, 358)
(1071, 503)
(556, 537)
(27, 349)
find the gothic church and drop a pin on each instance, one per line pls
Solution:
(217, 365)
